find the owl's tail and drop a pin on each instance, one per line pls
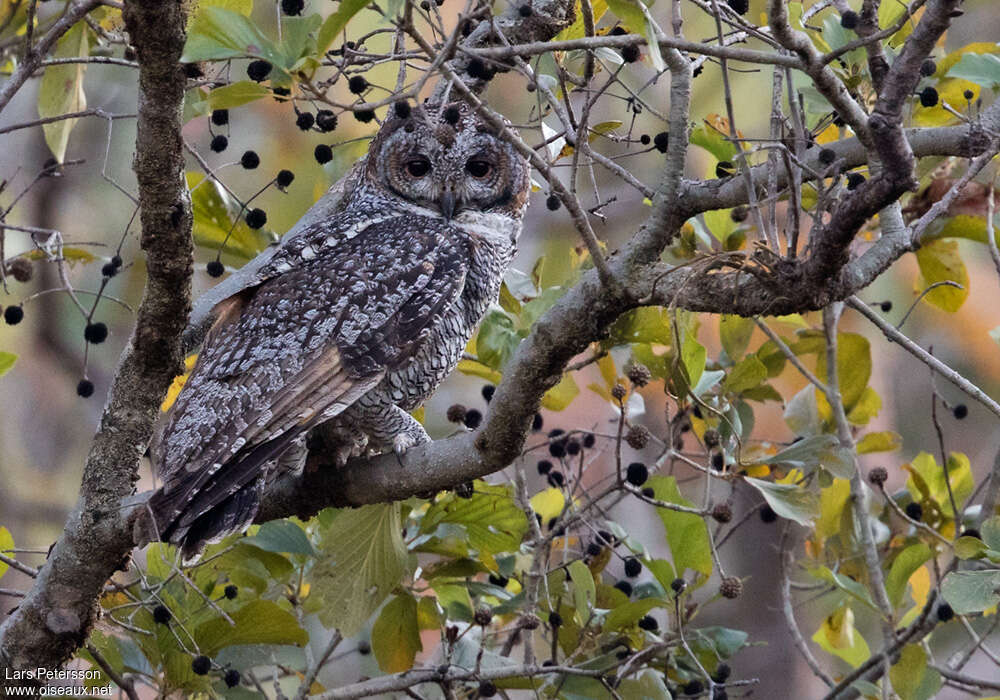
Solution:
(195, 513)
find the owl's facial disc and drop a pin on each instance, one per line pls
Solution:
(445, 159)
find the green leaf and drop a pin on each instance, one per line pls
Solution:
(846, 584)
(61, 89)
(735, 333)
(854, 366)
(497, 340)
(886, 441)
(747, 374)
(257, 622)
(967, 547)
(335, 23)
(713, 142)
(6, 544)
(629, 613)
(927, 473)
(940, 261)
(687, 534)
(981, 69)
(217, 33)
(865, 408)
(990, 530)
(281, 536)
(7, 360)
(584, 589)
(362, 558)
(903, 566)
(647, 324)
(911, 678)
(788, 501)
(236, 94)
(214, 211)
(491, 517)
(693, 355)
(562, 394)
(396, 635)
(971, 591)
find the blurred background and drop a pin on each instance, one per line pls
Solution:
(45, 428)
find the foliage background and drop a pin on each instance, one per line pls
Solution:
(45, 428)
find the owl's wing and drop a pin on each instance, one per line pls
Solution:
(297, 350)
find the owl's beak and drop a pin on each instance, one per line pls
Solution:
(448, 203)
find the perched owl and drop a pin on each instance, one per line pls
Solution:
(355, 321)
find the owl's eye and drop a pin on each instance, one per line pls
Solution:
(418, 167)
(478, 168)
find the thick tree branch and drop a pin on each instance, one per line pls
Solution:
(56, 616)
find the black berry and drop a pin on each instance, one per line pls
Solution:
(232, 677)
(552, 203)
(487, 391)
(219, 143)
(487, 689)
(451, 115)
(723, 169)
(768, 515)
(631, 53)
(740, 7)
(292, 7)
(648, 623)
(593, 549)
(525, 10)
(13, 315)
(220, 117)
(636, 474)
(960, 411)
(284, 178)
(256, 218)
(644, 139)
(661, 141)
(849, 20)
(499, 580)
(827, 156)
(914, 511)
(633, 567)
(648, 492)
(403, 109)
(886, 306)
(364, 115)
(472, 419)
(323, 153)
(928, 68)
(357, 84)
(95, 333)
(250, 160)
(476, 68)
(161, 615)
(928, 97)
(231, 591)
(109, 270)
(201, 665)
(555, 619)
(722, 673)
(364, 648)
(85, 388)
(625, 587)
(305, 120)
(854, 180)
(326, 121)
(573, 448)
(945, 612)
(544, 466)
(556, 478)
(557, 450)
(537, 422)
(694, 687)
(968, 94)
(215, 269)
(718, 462)
(258, 70)
(678, 585)
(589, 440)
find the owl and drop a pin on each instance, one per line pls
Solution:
(353, 324)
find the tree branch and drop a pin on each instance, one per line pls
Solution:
(57, 614)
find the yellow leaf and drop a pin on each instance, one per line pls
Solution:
(548, 503)
(940, 262)
(178, 384)
(561, 395)
(61, 89)
(838, 636)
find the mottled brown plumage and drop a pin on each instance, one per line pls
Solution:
(354, 321)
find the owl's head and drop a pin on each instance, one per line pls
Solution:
(446, 158)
